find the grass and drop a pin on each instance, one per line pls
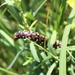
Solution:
(54, 20)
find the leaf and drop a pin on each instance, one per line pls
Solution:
(62, 63)
(51, 68)
(71, 3)
(32, 67)
(7, 72)
(32, 24)
(72, 14)
(15, 58)
(15, 14)
(72, 19)
(33, 50)
(38, 7)
(53, 37)
(8, 38)
(44, 56)
(10, 2)
(27, 62)
(29, 15)
(73, 26)
(21, 26)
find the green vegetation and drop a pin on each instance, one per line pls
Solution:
(53, 19)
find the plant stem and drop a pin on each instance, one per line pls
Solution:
(15, 58)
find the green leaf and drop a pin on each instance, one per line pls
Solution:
(29, 15)
(15, 14)
(71, 3)
(10, 2)
(72, 14)
(8, 38)
(71, 19)
(27, 62)
(53, 37)
(62, 63)
(32, 24)
(34, 53)
(8, 72)
(51, 68)
(44, 56)
(38, 7)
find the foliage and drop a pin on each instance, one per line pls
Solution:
(50, 18)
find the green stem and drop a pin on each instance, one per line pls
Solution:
(47, 51)
(15, 58)
(9, 72)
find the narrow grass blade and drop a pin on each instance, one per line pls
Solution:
(8, 38)
(32, 67)
(51, 68)
(12, 10)
(8, 72)
(15, 58)
(62, 63)
(39, 6)
(33, 50)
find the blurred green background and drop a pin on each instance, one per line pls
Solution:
(42, 16)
